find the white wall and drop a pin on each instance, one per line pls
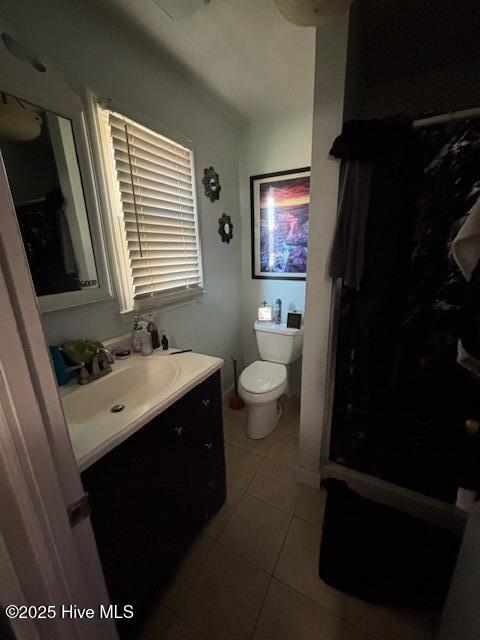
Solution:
(327, 123)
(91, 50)
(278, 142)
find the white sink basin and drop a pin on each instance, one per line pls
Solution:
(136, 387)
(145, 385)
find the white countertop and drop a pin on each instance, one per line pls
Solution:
(147, 385)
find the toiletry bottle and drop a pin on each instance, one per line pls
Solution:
(153, 331)
(164, 341)
(277, 313)
(137, 336)
(147, 348)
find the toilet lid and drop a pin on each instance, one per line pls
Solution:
(261, 376)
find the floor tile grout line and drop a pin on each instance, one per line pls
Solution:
(243, 557)
(317, 526)
(197, 574)
(189, 589)
(283, 544)
(203, 564)
(322, 606)
(274, 577)
(231, 515)
(277, 431)
(269, 504)
(236, 446)
(250, 637)
(294, 588)
(252, 450)
(187, 624)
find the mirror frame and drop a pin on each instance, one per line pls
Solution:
(50, 92)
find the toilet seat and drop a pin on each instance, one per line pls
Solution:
(262, 377)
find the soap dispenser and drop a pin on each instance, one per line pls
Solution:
(137, 335)
(147, 347)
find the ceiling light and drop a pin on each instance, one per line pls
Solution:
(17, 122)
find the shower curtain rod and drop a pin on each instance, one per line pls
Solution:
(447, 117)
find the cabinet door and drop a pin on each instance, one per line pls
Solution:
(203, 415)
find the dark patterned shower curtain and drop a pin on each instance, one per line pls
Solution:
(401, 398)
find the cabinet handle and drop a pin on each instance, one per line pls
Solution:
(208, 445)
(179, 431)
(211, 485)
(206, 402)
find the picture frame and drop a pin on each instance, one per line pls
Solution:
(280, 203)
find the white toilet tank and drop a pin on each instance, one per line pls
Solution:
(278, 343)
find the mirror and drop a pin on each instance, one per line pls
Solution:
(41, 162)
(225, 228)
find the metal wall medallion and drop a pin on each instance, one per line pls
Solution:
(225, 228)
(211, 184)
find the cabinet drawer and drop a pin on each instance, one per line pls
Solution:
(197, 418)
(204, 400)
(179, 425)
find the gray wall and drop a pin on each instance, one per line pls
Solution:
(278, 142)
(89, 49)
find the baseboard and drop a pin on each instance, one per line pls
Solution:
(227, 394)
(310, 478)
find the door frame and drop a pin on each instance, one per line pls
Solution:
(50, 562)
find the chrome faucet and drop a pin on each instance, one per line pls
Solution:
(109, 357)
(83, 375)
(100, 365)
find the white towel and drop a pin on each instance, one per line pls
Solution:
(466, 246)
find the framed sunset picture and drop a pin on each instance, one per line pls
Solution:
(280, 207)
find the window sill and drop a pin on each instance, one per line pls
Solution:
(156, 306)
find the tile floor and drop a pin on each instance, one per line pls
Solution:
(253, 572)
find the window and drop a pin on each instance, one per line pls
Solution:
(153, 222)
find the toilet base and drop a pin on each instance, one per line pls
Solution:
(262, 419)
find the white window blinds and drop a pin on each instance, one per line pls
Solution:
(156, 181)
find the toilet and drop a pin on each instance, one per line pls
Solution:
(263, 382)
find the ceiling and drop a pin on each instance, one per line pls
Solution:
(396, 38)
(243, 51)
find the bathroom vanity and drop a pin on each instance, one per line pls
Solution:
(152, 491)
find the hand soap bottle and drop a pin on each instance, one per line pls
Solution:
(137, 336)
(147, 347)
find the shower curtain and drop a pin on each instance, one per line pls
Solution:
(401, 398)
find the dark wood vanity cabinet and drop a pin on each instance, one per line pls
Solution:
(152, 494)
